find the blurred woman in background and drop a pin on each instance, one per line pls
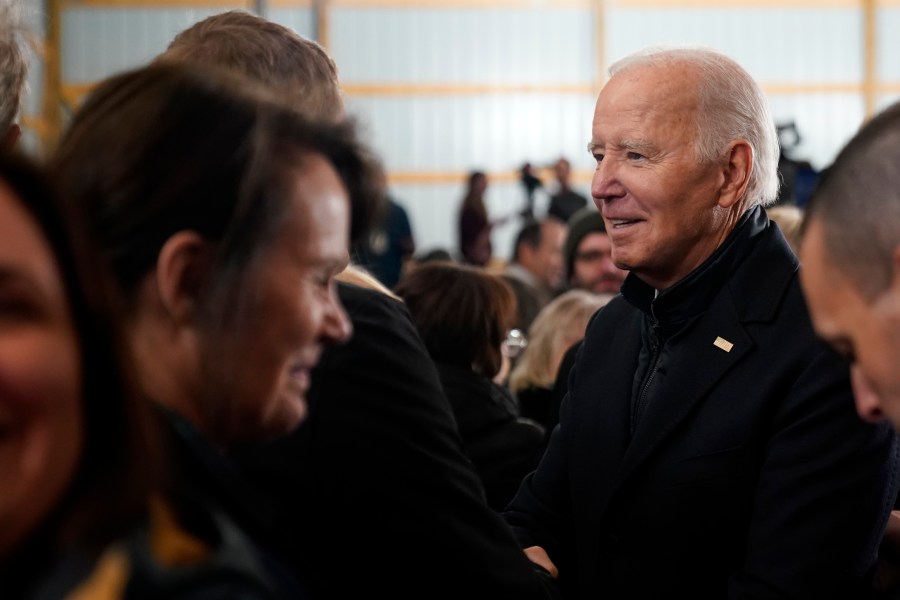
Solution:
(474, 226)
(464, 316)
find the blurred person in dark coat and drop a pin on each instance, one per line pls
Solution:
(378, 462)
(465, 317)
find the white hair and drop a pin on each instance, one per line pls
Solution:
(13, 62)
(731, 106)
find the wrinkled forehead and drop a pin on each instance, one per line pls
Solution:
(664, 98)
(666, 84)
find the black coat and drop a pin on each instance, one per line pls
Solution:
(749, 474)
(503, 446)
(375, 487)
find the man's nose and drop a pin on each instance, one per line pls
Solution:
(337, 326)
(868, 405)
(605, 183)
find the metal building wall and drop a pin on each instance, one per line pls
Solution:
(449, 90)
(447, 86)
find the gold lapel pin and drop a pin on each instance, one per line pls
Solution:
(723, 344)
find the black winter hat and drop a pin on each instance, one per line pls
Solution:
(584, 221)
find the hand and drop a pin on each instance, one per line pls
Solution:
(887, 573)
(539, 556)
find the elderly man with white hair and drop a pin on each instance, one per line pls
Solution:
(708, 446)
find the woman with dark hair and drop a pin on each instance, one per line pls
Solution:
(464, 317)
(224, 216)
(82, 508)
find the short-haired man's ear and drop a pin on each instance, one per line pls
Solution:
(889, 298)
(736, 171)
(895, 270)
(182, 270)
(11, 137)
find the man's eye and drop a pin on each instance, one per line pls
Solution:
(635, 156)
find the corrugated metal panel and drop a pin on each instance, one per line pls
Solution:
(389, 45)
(825, 122)
(889, 44)
(541, 46)
(99, 42)
(494, 132)
(777, 45)
(300, 20)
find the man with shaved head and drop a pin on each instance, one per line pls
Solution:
(851, 277)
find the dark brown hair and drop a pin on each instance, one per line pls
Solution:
(461, 312)
(857, 202)
(174, 147)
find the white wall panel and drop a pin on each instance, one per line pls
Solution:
(300, 20)
(491, 132)
(825, 122)
(433, 209)
(777, 45)
(888, 25)
(540, 46)
(97, 42)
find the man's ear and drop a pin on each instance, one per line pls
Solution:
(181, 272)
(11, 137)
(526, 254)
(895, 271)
(889, 299)
(736, 171)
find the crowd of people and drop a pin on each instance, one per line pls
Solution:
(204, 394)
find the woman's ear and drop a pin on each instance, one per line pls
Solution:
(182, 269)
(736, 171)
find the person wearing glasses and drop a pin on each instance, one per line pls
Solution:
(465, 317)
(588, 255)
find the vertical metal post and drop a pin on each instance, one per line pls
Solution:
(320, 22)
(870, 56)
(261, 7)
(51, 104)
(599, 44)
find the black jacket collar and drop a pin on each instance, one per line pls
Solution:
(689, 298)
